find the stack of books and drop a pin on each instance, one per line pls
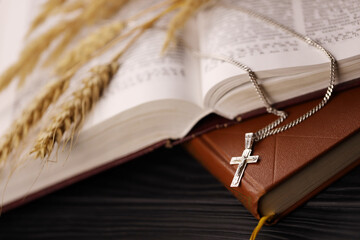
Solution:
(294, 165)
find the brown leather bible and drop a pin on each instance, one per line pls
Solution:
(293, 165)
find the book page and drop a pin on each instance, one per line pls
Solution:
(226, 31)
(145, 76)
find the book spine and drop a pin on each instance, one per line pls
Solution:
(213, 162)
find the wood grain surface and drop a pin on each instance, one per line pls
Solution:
(168, 195)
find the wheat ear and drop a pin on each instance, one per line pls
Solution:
(30, 56)
(49, 95)
(74, 111)
(187, 9)
(91, 13)
(84, 50)
(31, 115)
(48, 9)
(94, 12)
(71, 6)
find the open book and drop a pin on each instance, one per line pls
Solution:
(154, 97)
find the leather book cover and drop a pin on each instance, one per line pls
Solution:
(283, 154)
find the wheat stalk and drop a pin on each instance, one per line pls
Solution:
(31, 115)
(71, 6)
(187, 9)
(66, 38)
(48, 9)
(39, 105)
(84, 50)
(91, 13)
(30, 56)
(97, 10)
(74, 111)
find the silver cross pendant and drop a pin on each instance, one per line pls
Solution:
(243, 160)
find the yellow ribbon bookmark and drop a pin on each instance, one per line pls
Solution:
(259, 226)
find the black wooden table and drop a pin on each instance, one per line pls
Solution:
(168, 195)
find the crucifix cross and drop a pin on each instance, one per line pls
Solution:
(243, 160)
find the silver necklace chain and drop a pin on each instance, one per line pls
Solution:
(272, 128)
